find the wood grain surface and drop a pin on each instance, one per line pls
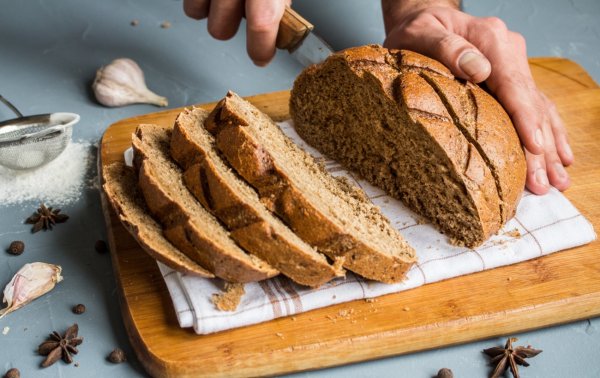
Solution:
(559, 288)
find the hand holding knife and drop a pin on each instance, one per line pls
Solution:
(297, 36)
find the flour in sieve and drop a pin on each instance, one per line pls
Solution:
(58, 183)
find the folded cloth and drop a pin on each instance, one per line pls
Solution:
(542, 225)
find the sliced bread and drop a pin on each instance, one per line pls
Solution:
(120, 187)
(237, 205)
(443, 146)
(185, 222)
(326, 213)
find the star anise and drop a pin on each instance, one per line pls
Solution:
(57, 346)
(508, 356)
(45, 217)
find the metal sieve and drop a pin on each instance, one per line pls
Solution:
(32, 141)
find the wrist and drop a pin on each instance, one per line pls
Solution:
(396, 11)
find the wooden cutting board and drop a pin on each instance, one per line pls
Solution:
(555, 289)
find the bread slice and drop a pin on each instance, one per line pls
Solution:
(335, 218)
(443, 146)
(120, 187)
(237, 205)
(185, 222)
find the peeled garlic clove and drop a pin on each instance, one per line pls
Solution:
(30, 282)
(122, 83)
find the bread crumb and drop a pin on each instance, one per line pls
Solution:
(514, 233)
(509, 278)
(230, 298)
(280, 335)
(293, 318)
(134, 23)
(406, 308)
(370, 300)
(165, 25)
(5, 330)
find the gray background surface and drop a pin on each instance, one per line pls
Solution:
(49, 51)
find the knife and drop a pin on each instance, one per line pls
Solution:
(297, 36)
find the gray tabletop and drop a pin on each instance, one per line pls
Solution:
(49, 51)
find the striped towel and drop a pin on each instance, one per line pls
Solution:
(542, 225)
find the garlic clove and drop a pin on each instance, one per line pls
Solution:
(31, 281)
(122, 83)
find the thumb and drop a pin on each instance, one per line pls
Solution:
(452, 50)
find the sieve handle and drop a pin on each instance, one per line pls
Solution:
(11, 106)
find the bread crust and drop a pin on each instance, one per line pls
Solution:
(120, 188)
(256, 231)
(186, 230)
(466, 123)
(279, 193)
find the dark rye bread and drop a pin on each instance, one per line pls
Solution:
(185, 222)
(327, 213)
(443, 146)
(120, 187)
(237, 205)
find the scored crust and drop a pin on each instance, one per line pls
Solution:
(459, 132)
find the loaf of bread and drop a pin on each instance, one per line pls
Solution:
(443, 146)
(120, 187)
(325, 212)
(238, 207)
(185, 222)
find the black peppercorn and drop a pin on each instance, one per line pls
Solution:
(101, 246)
(13, 373)
(16, 248)
(79, 309)
(117, 356)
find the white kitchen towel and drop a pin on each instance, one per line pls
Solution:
(542, 225)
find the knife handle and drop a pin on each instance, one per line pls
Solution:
(292, 30)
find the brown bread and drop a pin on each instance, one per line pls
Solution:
(120, 187)
(329, 214)
(185, 222)
(237, 205)
(443, 146)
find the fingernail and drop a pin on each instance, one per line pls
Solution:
(541, 177)
(539, 138)
(473, 64)
(568, 151)
(560, 170)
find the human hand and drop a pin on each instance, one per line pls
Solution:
(483, 49)
(224, 17)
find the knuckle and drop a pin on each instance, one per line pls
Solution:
(415, 26)
(518, 39)
(495, 24)
(264, 22)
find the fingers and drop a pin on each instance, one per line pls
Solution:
(262, 25)
(197, 9)
(537, 177)
(512, 83)
(224, 18)
(547, 169)
(560, 133)
(427, 35)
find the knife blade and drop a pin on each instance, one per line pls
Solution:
(297, 36)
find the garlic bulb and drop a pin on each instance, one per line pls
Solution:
(30, 282)
(122, 83)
